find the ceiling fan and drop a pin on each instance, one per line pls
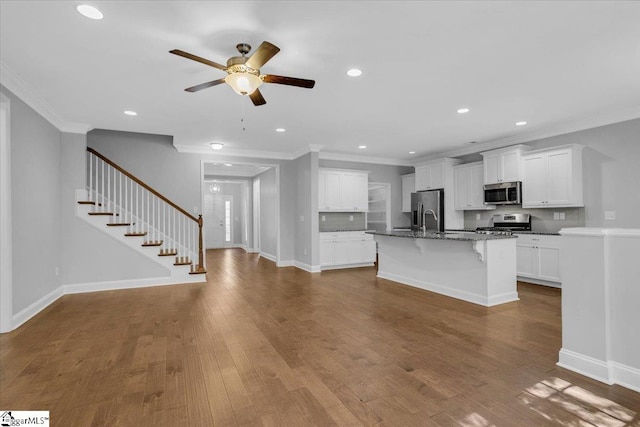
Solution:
(243, 73)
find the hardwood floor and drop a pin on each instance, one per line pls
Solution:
(260, 345)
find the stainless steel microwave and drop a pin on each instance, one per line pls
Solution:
(505, 193)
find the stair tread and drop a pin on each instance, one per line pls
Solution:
(119, 224)
(198, 272)
(136, 233)
(182, 263)
(86, 202)
(158, 243)
(104, 213)
(169, 252)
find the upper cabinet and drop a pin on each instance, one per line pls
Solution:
(343, 190)
(468, 187)
(408, 187)
(503, 165)
(553, 177)
(431, 175)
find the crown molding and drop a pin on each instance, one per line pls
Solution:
(22, 90)
(198, 149)
(547, 132)
(364, 159)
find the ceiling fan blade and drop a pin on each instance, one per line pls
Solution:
(204, 85)
(198, 59)
(263, 53)
(256, 98)
(290, 81)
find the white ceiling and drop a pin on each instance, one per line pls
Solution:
(560, 66)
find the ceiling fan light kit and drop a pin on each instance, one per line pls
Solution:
(243, 73)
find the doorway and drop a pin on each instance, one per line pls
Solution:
(218, 215)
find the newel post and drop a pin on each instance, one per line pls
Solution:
(200, 268)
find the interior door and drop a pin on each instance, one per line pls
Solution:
(218, 220)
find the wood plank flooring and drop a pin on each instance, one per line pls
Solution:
(260, 345)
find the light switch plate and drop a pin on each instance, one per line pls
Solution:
(609, 215)
(562, 216)
(323, 218)
(350, 217)
(478, 217)
(556, 216)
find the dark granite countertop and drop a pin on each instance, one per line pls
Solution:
(545, 233)
(439, 235)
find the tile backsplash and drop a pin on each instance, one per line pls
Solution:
(541, 219)
(342, 221)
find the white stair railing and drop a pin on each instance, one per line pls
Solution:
(144, 211)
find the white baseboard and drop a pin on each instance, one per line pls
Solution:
(585, 365)
(252, 250)
(540, 282)
(81, 288)
(287, 263)
(625, 376)
(450, 292)
(307, 267)
(20, 318)
(268, 256)
(340, 266)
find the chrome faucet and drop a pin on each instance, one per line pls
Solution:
(424, 218)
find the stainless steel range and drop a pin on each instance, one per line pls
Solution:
(506, 224)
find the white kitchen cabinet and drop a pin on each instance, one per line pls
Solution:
(553, 178)
(408, 187)
(468, 187)
(430, 176)
(346, 249)
(538, 258)
(342, 190)
(503, 165)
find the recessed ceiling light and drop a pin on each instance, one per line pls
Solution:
(280, 129)
(216, 145)
(412, 152)
(354, 72)
(463, 110)
(228, 164)
(130, 113)
(362, 147)
(89, 11)
(521, 123)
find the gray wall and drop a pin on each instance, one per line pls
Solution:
(381, 173)
(35, 204)
(268, 212)
(611, 173)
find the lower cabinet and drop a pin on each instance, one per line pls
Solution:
(538, 258)
(347, 248)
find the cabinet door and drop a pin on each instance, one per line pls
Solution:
(361, 192)
(461, 179)
(326, 252)
(408, 187)
(526, 264)
(534, 180)
(341, 249)
(367, 250)
(422, 178)
(475, 196)
(559, 191)
(333, 191)
(549, 263)
(322, 188)
(436, 176)
(509, 167)
(491, 168)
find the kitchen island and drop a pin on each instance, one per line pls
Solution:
(477, 268)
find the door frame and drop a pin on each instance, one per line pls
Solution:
(6, 269)
(276, 168)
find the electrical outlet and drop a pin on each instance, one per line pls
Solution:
(350, 217)
(556, 216)
(323, 218)
(562, 216)
(478, 216)
(610, 215)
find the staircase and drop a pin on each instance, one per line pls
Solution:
(132, 212)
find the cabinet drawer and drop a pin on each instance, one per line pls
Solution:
(549, 241)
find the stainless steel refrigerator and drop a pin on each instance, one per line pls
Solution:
(427, 207)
